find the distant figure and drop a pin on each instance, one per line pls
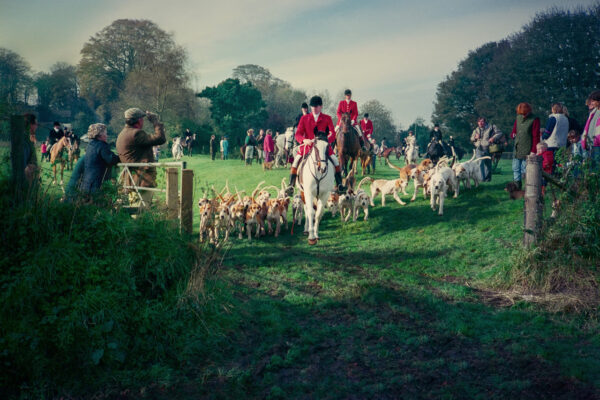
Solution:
(250, 144)
(212, 146)
(44, 149)
(225, 148)
(55, 134)
(303, 112)
(482, 137)
(349, 106)
(269, 146)
(436, 133)
(259, 145)
(221, 146)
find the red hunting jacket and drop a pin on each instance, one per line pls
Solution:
(366, 128)
(351, 108)
(306, 128)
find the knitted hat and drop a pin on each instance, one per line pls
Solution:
(96, 130)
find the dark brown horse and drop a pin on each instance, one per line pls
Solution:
(347, 144)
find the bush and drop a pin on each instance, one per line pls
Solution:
(94, 300)
(565, 259)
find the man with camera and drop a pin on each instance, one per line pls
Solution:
(135, 146)
(482, 137)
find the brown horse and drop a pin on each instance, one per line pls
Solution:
(59, 155)
(366, 159)
(347, 144)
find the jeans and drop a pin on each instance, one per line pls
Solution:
(519, 168)
(485, 166)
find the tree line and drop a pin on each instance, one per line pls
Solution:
(554, 58)
(136, 63)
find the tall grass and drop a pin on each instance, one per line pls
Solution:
(94, 301)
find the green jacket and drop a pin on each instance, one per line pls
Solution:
(524, 136)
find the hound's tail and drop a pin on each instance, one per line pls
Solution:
(392, 165)
(365, 179)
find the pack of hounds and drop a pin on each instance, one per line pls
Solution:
(265, 210)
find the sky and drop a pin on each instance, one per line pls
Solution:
(395, 51)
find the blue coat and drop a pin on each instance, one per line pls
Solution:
(98, 162)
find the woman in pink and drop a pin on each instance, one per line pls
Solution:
(44, 150)
(269, 146)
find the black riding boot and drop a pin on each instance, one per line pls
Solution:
(290, 189)
(362, 143)
(338, 182)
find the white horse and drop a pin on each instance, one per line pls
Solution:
(412, 151)
(317, 182)
(177, 149)
(284, 144)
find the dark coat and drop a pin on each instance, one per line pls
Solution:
(54, 136)
(97, 168)
(135, 146)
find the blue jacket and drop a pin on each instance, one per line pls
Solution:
(98, 162)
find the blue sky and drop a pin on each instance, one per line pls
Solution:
(393, 51)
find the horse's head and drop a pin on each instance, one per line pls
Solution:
(320, 135)
(346, 121)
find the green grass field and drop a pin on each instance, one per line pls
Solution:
(400, 306)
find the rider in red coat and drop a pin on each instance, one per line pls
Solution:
(349, 106)
(366, 125)
(305, 136)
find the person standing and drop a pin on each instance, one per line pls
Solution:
(221, 146)
(44, 149)
(366, 126)
(526, 133)
(482, 137)
(30, 164)
(225, 148)
(269, 146)
(213, 147)
(305, 134)
(259, 145)
(135, 146)
(250, 145)
(592, 126)
(99, 160)
(376, 152)
(554, 135)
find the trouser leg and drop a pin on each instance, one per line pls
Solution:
(516, 167)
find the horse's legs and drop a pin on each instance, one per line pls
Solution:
(54, 172)
(318, 216)
(309, 211)
(62, 169)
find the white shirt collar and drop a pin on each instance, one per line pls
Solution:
(316, 116)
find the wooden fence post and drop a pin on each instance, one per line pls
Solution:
(187, 199)
(533, 200)
(172, 193)
(17, 154)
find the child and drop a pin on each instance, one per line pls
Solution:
(576, 152)
(44, 150)
(547, 161)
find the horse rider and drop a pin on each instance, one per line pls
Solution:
(436, 133)
(303, 112)
(349, 106)
(305, 136)
(366, 126)
(55, 134)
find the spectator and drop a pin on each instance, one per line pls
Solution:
(213, 147)
(259, 145)
(592, 126)
(573, 124)
(98, 160)
(526, 133)
(225, 148)
(554, 135)
(44, 149)
(376, 151)
(221, 146)
(576, 152)
(435, 133)
(250, 145)
(269, 146)
(482, 137)
(55, 134)
(135, 146)
(30, 164)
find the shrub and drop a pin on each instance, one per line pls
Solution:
(93, 300)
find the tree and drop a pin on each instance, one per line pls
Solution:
(383, 124)
(235, 107)
(137, 57)
(15, 79)
(58, 91)
(555, 57)
(281, 99)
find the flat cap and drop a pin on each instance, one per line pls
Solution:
(134, 113)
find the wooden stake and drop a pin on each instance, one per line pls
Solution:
(172, 193)
(187, 199)
(533, 200)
